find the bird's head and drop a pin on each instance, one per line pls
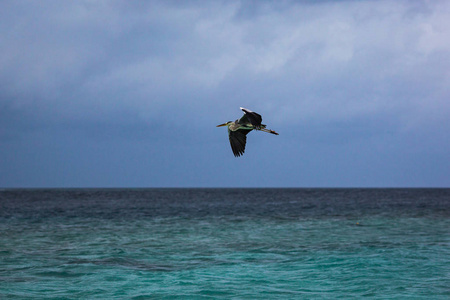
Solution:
(225, 124)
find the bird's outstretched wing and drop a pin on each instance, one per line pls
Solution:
(238, 139)
(254, 118)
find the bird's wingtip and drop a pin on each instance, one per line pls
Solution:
(245, 109)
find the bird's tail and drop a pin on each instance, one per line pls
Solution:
(268, 130)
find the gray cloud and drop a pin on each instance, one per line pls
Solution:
(346, 69)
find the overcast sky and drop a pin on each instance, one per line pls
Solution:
(128, 93)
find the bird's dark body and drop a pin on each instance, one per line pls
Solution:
(251, 118)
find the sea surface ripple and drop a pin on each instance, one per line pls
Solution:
(225, 243)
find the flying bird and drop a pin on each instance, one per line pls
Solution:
(238, 130)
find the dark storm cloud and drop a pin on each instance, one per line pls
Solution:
(164, 73)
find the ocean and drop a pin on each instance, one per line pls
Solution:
(224, 243)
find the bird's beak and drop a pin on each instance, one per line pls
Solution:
(224, 124)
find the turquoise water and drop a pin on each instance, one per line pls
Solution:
(225, 243)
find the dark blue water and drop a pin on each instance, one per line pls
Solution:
(225, 243)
